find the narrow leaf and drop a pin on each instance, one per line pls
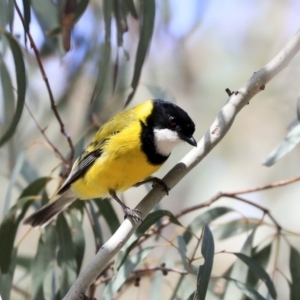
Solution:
(96, 226)
(9, 226)
(208, 251)
(261, 257)
(295, 274)
(13, 179)
(182, 252)
(66, 255)
(248, 290)
(6, 280)
(155, 216)
(131, 8)
(78, 240)
(259, 272)
(148, 11)
(239, 271)
(234, 228)
(200, 220)
(290, 141)
(21, 85)
(107, 211)
(105, 53)
(43, 261)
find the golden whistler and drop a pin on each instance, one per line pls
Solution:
(124, 152)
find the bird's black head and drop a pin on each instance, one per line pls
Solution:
(166, 115)
(165, 127)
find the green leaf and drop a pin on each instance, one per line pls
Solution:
(259, 272)
(295, 274)
(26, 15)
(239, 271)
(96, 226)
(233, 228)
(248, 290)
(8, 95)
(9, 226)
(148, 17)
(182, 251)
(208, 252)
(290, 141)
(131, 8)
(35, 187)
(66, 255)
(153, 217)
(6, 280)
(107, 211)
(21, 85)
(43, 261)
(200, 220)
(78, 240)
(105, 53)
(261, 257)
(24, 262)
(47, 20)
(13, 179)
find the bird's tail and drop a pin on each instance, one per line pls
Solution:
(45, 214)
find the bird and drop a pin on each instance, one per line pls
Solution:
(125, 152)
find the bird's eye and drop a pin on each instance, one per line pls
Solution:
(172, 121)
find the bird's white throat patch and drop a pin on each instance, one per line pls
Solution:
(165, 140)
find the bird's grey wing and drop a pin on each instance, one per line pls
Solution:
(82, 164)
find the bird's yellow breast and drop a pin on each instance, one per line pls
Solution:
(121, 165)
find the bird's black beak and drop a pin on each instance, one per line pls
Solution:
(189, 139)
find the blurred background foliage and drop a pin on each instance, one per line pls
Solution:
(197, 49)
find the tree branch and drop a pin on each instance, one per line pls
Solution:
(213, 136)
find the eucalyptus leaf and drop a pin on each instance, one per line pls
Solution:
(43, 261)
(262, 257)
(259, 272)
(290, 141)
(247, 290)
(78, 240)
(148, 17)
(21, 85)
(6, 280)
(295, 274)
(182, 251)
(234, 228)
(208, 252)
(9, 225)
(66, 255)
(107, 211)
(239, 272)
(200, 220)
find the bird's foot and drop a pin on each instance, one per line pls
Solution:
(135, 214)
(157, 181)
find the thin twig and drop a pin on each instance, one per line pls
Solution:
(267, 186)
(42, 131)
(52, 101)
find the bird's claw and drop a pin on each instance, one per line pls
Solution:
(158, 181)
(135, 214)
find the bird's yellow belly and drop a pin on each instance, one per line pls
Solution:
(127, 167)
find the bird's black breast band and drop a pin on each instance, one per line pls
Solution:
(148, 146)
